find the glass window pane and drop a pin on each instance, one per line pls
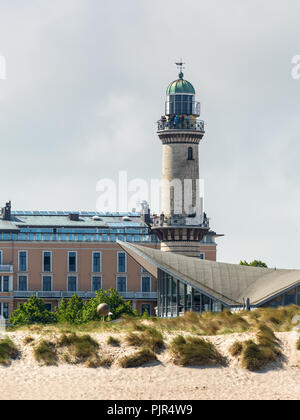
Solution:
(121, 284)
(146, 284)
(72, 262)
(121, 262)
(96, 284)
(22, 284)
(96, 262)
(47, 284)
(72, 284)
(47, 262)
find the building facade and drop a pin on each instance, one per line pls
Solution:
(56, 254)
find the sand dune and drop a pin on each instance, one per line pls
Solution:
(25, 379)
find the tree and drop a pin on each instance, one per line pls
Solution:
(71, 311)
(255, 263)
(118, 306)
(32, 312)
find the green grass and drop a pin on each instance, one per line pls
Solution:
(45, 353)
(149, 337)
(189, 351)
(139, 358)
(79, 347)
(8, 351)
(113, 341)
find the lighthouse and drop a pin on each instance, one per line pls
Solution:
(182, 223)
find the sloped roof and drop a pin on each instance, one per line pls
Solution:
(229, 283)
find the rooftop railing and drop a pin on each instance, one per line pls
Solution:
(180, 123)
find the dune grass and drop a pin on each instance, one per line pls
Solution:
(236, 348)
(28, 340)
(298, 344)
(8, 351)
(79, 348)
(255, 355)
(45, 353)
(149, 337)
(139, 358)
(113, 341)
(189, 351)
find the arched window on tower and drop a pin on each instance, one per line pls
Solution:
(190, 153)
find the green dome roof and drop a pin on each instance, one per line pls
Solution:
(180, 86)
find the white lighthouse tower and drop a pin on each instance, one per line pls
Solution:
(182, 223)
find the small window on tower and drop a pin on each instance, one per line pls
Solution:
(190, 153)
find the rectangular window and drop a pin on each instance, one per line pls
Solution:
(146, 307)
(5, 310)
(47, 263)
(121, 284)
(202, 256)
(121, 262)
(72, 262)
(146, 284)
(47, 283)
(5, 284)
(48, 307)
(96, 262)
(0, 257)
(22, 284)
(72, 284)
(22, 260)
(96, 283)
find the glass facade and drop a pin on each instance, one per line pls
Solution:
(176, 297)
(291, 297)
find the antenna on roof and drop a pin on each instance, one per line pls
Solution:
(180, 65)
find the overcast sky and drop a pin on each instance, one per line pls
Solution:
(86, 83)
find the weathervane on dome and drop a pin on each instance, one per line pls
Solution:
(180, 66)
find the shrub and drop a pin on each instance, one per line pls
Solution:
(8, 351)
(139, 358)
(71, 311)
(32, 312)
(149, 337)
(112, 341)
(118, 306)
(236, 348)
(194, 351)
(45, 353)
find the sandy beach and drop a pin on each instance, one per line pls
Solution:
(25, 379)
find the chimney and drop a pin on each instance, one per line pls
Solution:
(74, 217)
(6, 211)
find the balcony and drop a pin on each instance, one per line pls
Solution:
(84, 295)
(6, 268)
(182, 123)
